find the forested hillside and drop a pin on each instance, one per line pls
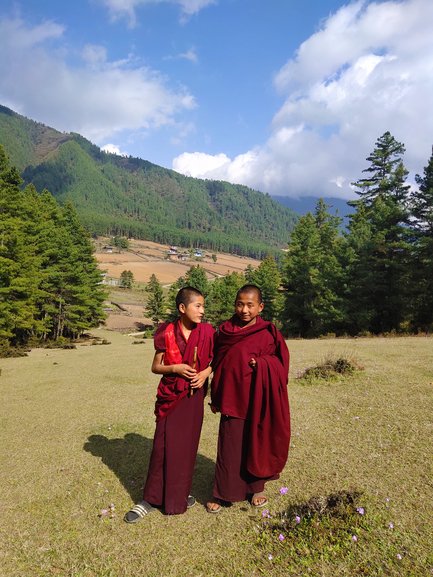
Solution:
(133, 197)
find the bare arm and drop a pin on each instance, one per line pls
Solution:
(181, 369)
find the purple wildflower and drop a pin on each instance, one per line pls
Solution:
(391, 525)
(283, 490)
(354, 538)
(399, 557)
(297, 519)
(281, 537)
(270, 557)
(360, 510)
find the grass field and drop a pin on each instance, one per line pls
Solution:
(77, 427)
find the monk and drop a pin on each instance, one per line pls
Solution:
(183, 355)
(249, 389)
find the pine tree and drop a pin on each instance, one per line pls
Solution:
(155, 306)
(314, 276)
(126, 279)
(196, 277)
(220, 301)
(386, 173)
(50, 284)
(384, 198)
(19, 265)
(267, 276)
(422, 261)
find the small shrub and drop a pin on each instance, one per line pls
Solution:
(331, 369)
(7, 351)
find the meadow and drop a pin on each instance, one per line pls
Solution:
(77, 427)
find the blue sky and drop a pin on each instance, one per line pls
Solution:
(286, 96)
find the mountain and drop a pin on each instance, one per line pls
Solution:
(132, 197)
(337, 206)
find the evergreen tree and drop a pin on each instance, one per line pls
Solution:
(50, 285)
(196, 277)
(19, 264)
(171, 311)
(220, 302)
(155, 306)
(267, 276)
(384, 198)
(422, 262)
(126, 279)
(314, 276)
(359, 308)
(386, 174)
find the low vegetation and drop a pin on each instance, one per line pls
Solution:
(331, 369)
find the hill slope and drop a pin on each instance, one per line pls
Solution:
(133, 197)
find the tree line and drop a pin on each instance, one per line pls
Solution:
(375, 277)
(50, 284)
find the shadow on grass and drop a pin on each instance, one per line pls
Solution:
(128, 458)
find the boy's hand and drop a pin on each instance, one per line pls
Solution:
(200, 378)
(185, 371)
(253, 363)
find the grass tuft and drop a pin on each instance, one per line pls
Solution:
(331, 369)
(307, 537)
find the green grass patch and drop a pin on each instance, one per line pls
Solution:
(77, 428)
(327, 529)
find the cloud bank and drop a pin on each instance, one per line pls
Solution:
(82, 92)
(368, 69)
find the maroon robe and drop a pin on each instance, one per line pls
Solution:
(179, 419)
(258, 397)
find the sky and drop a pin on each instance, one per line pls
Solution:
(285, 96)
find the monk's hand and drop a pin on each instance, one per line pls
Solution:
(199, 379)
(185, 371)
(253, 363)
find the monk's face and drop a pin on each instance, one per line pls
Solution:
(248, 307)
(193, 312)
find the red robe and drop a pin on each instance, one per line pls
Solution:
(178, 421)
(173, 388)
(258, 396)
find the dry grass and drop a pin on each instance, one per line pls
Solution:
(76, 429)
(145, 258)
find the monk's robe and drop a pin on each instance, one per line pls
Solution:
(179, 418)
(254, 435)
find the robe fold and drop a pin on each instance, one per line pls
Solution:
(258, 396)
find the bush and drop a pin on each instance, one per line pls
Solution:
(331, 369)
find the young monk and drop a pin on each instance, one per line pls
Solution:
(183, 353)
(249, 389)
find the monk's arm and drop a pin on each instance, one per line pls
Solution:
(181, 369)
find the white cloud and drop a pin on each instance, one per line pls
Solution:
(127, 8)
(190, 55)
(113, 149)
(197, 164)
(368, 69)
(94, 97)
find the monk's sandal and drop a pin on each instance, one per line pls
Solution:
(138, 511)
(190, 502)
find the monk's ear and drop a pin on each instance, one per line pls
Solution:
(182, 308)
(261, 306)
